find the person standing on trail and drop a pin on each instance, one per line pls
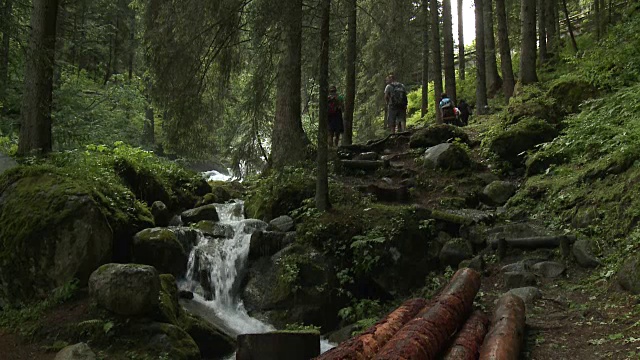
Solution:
(395, 96)
(447, 109)
(336, 126)
(465, 112)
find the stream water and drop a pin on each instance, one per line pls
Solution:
(215, 270)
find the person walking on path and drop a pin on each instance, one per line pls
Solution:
(336, 126)
(465, 112)
(395, 96)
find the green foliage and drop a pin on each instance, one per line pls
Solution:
(298, 327)
(367, 250)
(363, 309)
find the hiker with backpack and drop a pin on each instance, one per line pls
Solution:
(465, 112)
(448, 110)
(395, 96)
(336, 126)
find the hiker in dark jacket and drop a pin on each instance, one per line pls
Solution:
(395, 96)
(465, 112)
(336, 126)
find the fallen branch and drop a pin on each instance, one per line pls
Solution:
(368, 343)
(507, 330)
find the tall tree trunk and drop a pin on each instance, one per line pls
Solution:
(7, 12)
(550, 16)
(435, 54)
(603, 17)
(425, 58)
(461, 59)
(596, 20)
(481, 74)
(449, 66)
(289, 140)
(508, 81)
(322, 181)
(35, 129)
(132, 42)
(494, 82)
(574, 45)
(542, 32)
(528, 73)
(350, 93)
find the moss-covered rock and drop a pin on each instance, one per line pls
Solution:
(437, 134)
(532, 102)
(521, 137)
(539, 162)
(629, 275)
(51, 231)
(571, 91)
(222, 191)
(144, 184)
(447, 157)
(279, 193)
(205, 212)
(160, 248)
(125, 289)
(498, 192)
(163, 338)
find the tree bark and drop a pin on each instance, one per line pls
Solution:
(596, 20)
(528, 73)
(481, 75)
(350, 94)
(461, 59)
(425, 58)
(132, 42)
(289, 140)
(574, 45)
(508, 80)
(7, 11)
(322, 181)
(449, 66)
(494, 82)
(35, 130)
(550, 17)
(435, 53)
(542, 33)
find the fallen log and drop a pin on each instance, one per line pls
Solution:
(505, 336)
(466, 345)
(424, 337)
(535, 242)
(368, 343)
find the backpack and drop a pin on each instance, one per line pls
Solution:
(334, 105)
(398, 95)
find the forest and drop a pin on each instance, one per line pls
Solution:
(169, 188)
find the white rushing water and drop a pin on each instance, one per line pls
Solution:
(214, 274)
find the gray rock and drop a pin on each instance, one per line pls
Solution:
(498, 192)
(477, 263)
(342, 334)
(582, 252)
(169, 339)
(515, 267)
(125, 289)
(446, 156)
(160, 212)
(548, 269)
(367, 156)
(6, 163)
(517, 279)
(159, 247)
(176, 220)
(528, 294)
(282, 223)
(454, 252)
(80, 351)
(629, 275)
(206, 212)
(251, 225)
(267, 243)
(278, 345)
(215, 230)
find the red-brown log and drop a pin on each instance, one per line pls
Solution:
(368, 343)
(504, 340)
(466, 345)
(424, 337)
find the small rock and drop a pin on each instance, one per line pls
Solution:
(215, 229)
(548, 269)
(80, 351)
(498, 192)
(528, 294)
(583, 254)
(629, 275)
(282, 223)
(184, 294)
(125, 289)
(206, 212)
(454, 252)
(160, 213)
(477, 263)
(446, 156)
(517, 279)
(176, 220)
(515, 267)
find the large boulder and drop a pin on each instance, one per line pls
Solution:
(437, 134)
(143, 182)
(160, 248)
(51, 231)
(532, 102)
(629, 275)
(571, 91)
(447, 156)
(205, 212)
(582, 252)
(282, 223)
(454, 252)
(161, 214)
(80, 351)
(498, 192)
(125, 289)
(519, 138)
(267, 243)
(168, 339)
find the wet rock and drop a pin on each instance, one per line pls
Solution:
(80, 351)
(528, 294)
(176, 220)
(498, 193)
(125, 289)
(282, 223)
(447, 157)
(159, 247)
(548, 269)
(454, 252)
(517, 279)
(267, 243)
(582, 252)
(160, 212)
(215, 230)
(206, 212)
(278, 345)
(184, 294)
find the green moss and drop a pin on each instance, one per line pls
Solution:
(279, 193)
(523, 136)
(450, 218)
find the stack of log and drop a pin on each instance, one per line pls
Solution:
(443, 328)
